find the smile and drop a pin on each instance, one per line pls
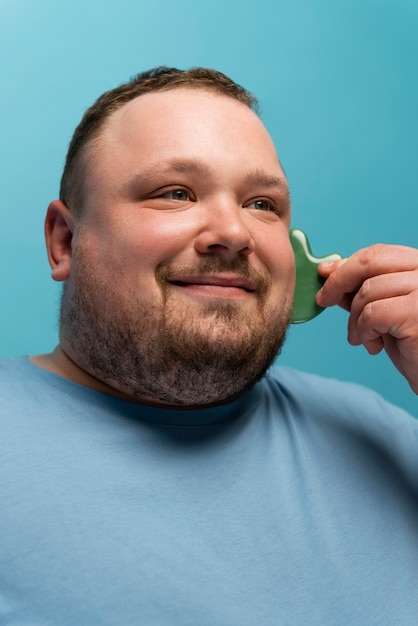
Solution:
(215, 286)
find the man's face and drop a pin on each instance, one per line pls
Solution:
(182, 275)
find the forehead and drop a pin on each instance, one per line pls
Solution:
(183, 123)
(168, 104)
(182, 110)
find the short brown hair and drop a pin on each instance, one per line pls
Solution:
(157, 79)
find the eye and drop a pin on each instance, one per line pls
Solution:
(262, 205)
(177, 194)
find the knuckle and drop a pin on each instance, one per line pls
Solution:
(365, 289)
(371, 253)
(367, 313)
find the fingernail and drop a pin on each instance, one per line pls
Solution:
(326, 265)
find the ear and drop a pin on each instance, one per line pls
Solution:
(59, 228)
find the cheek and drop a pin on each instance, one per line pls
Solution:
(282, 271)
(278, 256)
(163, 238)
(157, 237)
(137, 246)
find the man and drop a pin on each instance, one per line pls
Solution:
(152, 471)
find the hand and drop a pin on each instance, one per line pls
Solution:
(379, 287)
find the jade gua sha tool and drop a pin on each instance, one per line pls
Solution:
(308, 281)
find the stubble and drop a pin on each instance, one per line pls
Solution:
(171, 351)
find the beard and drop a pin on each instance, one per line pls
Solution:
(171, 351)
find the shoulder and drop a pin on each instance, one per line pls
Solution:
(345, 415)
(22, 383)
(328, 395)
(13, 370)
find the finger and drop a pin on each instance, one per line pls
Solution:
(327, 267)
(373, 261)
(397, 317)
(378, 288)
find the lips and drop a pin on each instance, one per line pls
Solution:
(220, 281)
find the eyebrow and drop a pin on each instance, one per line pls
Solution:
(257, 177)
(188, 166)
(176, 166)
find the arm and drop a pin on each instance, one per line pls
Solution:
(379, 287)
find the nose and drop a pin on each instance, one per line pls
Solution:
(224, 231)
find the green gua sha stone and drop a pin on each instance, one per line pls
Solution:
(308, 281)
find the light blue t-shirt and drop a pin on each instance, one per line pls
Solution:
(296, 504)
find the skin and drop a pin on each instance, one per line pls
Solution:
(185, 224)
(378, 285)
(127, 234)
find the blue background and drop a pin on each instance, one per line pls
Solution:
(338, 87)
